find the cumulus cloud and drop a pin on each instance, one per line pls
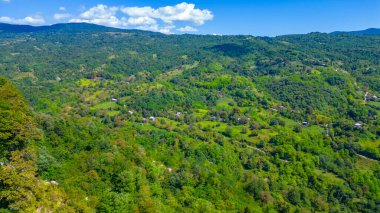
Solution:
(111, 21)
(100, 11)
(32, 20)
(61, 16)
(160, 19)
(180, 12)
(187, 29)
(144, 20)
(6, 1)
(184, 12)
(62, 8)
(103, 15)
(138, 11)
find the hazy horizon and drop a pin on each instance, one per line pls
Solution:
(241, 17)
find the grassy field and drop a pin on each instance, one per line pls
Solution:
(105, 105)
(329, 177)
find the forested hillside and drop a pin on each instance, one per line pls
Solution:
(136, 121)
(21, 188)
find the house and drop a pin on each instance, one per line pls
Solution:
(130, 112)
(305, 123)
(152, 118)
(178, 114)
(358, 125)
(54, 182)
(114, 99)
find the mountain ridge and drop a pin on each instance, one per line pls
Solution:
(72, 27)
(80, 27)
(369, 31)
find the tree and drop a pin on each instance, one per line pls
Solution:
(22, 191)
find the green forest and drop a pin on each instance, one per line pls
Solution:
(97, 119)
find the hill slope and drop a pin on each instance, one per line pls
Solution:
(21, 188)
(187, 123)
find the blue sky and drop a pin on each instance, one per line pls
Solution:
(254, 17)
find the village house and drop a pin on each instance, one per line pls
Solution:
(54, 182)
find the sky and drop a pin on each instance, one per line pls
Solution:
(222, 17)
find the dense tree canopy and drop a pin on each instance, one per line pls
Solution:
(144, 122)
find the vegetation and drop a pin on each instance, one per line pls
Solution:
(21, 189)
(144, 122)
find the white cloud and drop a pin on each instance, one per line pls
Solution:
(60, 16)
(168, 14)
(100, 11)
(62, 8)
(145, 20)
(184, 12)
(32, 20)
(6, 1)
(103, 15)
(111, 21)
(187, 29)
(161, 19)
(138, 11)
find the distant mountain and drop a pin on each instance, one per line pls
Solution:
(86, 27)
(72, 27)
(370, 31)
(18, 28)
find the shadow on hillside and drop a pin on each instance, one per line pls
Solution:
(231, 50)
